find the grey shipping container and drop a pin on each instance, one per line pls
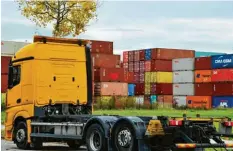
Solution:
(183, 77)
(183, 64)
(11, 47)
(183, 89)
(180, 100)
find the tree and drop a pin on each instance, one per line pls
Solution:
(67, 16)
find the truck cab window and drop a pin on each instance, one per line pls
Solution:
(16, 75)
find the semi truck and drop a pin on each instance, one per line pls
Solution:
(49, 99)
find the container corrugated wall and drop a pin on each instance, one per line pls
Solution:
(111, 88)
(183, 89)
(183, 77)
(203, 76)
(180, 100)
(222, 61)
(183, 64)
(222, 102)
(199, 102)
(164, 77)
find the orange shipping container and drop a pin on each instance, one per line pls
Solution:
(165, 100)
(111, 89)
(203, 76)
(199, 102)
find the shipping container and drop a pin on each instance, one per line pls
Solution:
(153, 77)
(161, 88)
(126, 66)
(148, 54)
(147, 77)
(136, 77)
(164, 77)
(199, 102)
(183, 89)
(147, 103)
(183, 77)
(222, 75)
(222, 89)
(204, 89)
(165, 101)
(153, 99)
(125, 56)
(183, 64)
(5, 60)
(9, 48)
(222, 61)
(131, 66)
(136, 67)
(147, 66)
(139, 89)
(206, 54)
(141, 77)
(142, 66)
(131, 56)
(110, 75)
(129, 77)
(179, 101)
(162, 65)
(131, 89)
(105, 102)
(222, 101)
(111, 88)
(147, 88)
(169, 54)
(105, 60)
(142, 55)
(139, 100)
(136, 56)
(105, 47)
(4, 83)
(203, 63)
(203, 76)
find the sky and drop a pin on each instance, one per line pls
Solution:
(132, 25)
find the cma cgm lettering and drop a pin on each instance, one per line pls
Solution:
(222, 61)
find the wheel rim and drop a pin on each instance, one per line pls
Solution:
(124, 138)
(20, 135)
(95, 141)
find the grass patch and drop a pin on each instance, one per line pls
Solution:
(3, 115)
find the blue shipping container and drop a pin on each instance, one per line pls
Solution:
(222, 101)
(222, 61)
(131, 89)
(148, 54)
(207, 54)
(153, 99)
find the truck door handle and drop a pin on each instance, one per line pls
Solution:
(18, 101)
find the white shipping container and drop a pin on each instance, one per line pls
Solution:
(183, 89)
(180, 100)
(183, 77)
(11, 47)
(140, 100)
(183, 64)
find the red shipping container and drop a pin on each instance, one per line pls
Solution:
(169, 54)
(222, 89)
(139, 88)
(204, 89)
(126, 66)
(136, 67)
(148, 66)
(147, 103)
(5, 60)
(129, 77)
(162, 65)
(136, 77)
(4, 85)
(162, 89)
(136, 55)
(141, 77)
(102, 47)
(96, 74)
(203, 63)
(142, 66)
(142, 55)
(131, 66)
(105, 60)
(131, 56)
(111, 75)
(222, 75)
(125, 56)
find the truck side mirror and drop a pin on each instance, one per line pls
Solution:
(10, 77)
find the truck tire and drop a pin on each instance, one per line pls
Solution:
(74, 144)
(20, 136)
(95, 139)
(36, 144)
(124, 138)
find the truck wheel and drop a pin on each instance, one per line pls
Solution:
(74, 144)
(36, 144)
(124, 138)
(20, 135)
(95, 139)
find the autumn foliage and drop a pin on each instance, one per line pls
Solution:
(67, 17)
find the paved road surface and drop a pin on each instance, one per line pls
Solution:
(10, 146)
